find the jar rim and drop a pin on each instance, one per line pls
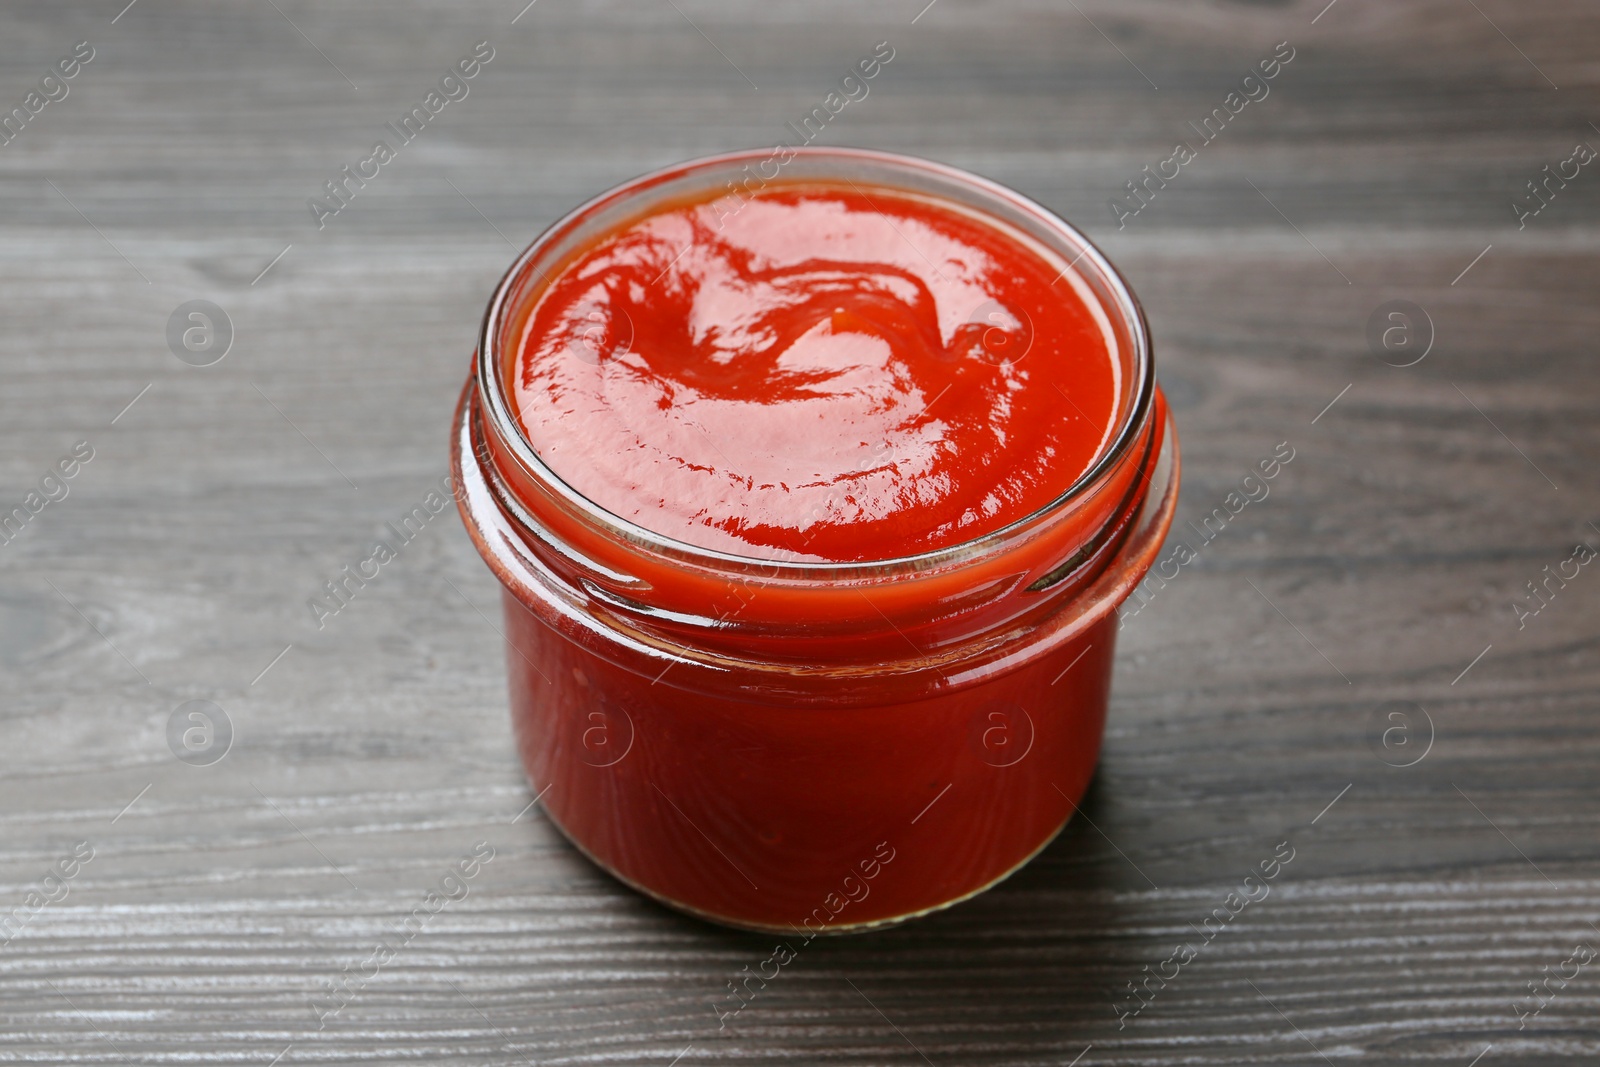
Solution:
(495, 404)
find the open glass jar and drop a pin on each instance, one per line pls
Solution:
(792, 745)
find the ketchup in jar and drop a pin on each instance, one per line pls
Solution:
(814, 480)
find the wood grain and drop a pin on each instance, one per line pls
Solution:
(376, 750)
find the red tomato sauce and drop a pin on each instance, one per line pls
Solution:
(820, 373)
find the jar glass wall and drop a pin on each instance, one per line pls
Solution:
(781, 743)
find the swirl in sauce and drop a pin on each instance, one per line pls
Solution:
(828, 373)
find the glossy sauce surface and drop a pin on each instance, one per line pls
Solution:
(815, 372)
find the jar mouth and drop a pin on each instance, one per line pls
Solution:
(1088, 268)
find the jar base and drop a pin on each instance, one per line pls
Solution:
(843, 928)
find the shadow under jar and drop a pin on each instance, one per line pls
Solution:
(772, 735)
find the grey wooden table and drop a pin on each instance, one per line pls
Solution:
(1342, 668)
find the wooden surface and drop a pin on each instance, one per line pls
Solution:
(1250, 693)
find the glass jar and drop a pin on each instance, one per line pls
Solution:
(796, 745)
